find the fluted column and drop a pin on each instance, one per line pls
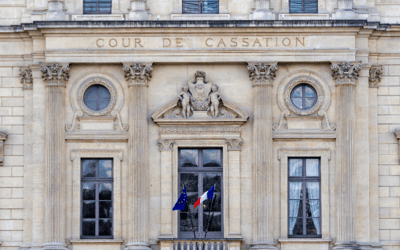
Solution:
(137, 76)
(345, 74)
(262, 75)
(55, 77)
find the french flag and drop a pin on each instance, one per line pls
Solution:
(207, 195)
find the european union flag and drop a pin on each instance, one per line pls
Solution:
(180, 204)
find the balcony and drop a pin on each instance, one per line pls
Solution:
(200, 244)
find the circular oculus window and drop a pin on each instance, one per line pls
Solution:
(97, 97)
(304, 96)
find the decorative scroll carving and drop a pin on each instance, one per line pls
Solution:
(55, 74)
(234, 144)
(76, 125)
(3, 138)
(282, 125)
(325, 121)
(25, 76)
(165, 144)
(262, 73)
(375, 76)
(345, 72)
(118, 122)
(138, 73)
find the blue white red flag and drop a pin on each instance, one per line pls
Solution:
(207, 195)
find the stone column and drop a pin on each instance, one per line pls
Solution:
(345, 74)
(55, 77)
(262, 75)
(166, 146)
(138, 75)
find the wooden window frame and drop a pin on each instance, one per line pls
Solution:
(85, 12)
(97, 180)
(304, 179)
(201, 170)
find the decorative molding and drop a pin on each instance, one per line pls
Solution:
(138, 74)
(55, 74)
(308, 80)
(86, 85)
(118, 122)
(198, 129)
(262, 73)
(345, 72)
(3, 138)
(166, 144)
(234, 144)
(94, 153)
(375, 78)
(76, 125)
(325, 124)
(282, 125)
(25, 76)
(304, 152)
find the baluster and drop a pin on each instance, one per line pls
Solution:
(219, 245)
(212, 245)
(182, 243)
(223, 245)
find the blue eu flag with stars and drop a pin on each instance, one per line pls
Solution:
(180, 204)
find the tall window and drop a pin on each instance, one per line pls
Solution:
(304, 197)
(303, 6)
(97, 6)
(97, 198)
(200, 6)
(199, 170)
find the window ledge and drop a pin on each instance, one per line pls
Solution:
(200, 16)
(305, 240)
(304, 16)
(98, 17)
(103, 241)
(305, 244)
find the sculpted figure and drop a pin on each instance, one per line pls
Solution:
(185, 100)
(215, 97)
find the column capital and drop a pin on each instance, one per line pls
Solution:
(55, 74)
(166, 144)
(25, 76)
(234, 144)
(375, 73)
(345, 73)
(138, 74)
(262, 73)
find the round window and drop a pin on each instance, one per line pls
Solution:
(97, 97)
(303, 96)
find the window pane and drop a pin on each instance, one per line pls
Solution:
(295, 190)
(313, 208)
(189, 158)
(105, 191)
(312, 167)
(214, 225)
(89, 209)
(210, 6)
(310, 102)
(312, 226)
(312, 190)
(105, 209)
(295, 167)
(105, 227)
(295, 208)
(297, 92)
(191, 181)
(88, 191)
(190, 7)
(309, 92)
(105, 168)
(295, 226)
(88, 168)
(217, 203)
(210, 180)
(185, 222)
(89, 227)
(212, 158)
(298, 102)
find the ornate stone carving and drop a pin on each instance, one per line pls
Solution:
(55, 74)
(375, 76)
(325, 124)
(86, 85)
(76, 125)
(234, 144)
(345, 72)
(25, 76)
(282, 125)
(3, 138)
(262, 73)
(299, 80)
(118, 122)
(138, 73)
(165, 144)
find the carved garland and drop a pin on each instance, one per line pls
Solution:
(86, 85)
(299, 80)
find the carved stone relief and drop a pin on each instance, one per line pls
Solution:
(166, 144)
(138, 73)
(375, 76)
(3, 138)
(25, 76)
(55, 74)
(262, 73)
(345, 72)
(234, 144)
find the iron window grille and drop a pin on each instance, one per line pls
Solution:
(304, 196)
(96, 198)
(304, 96)
(303, 6)
(200, 6)
(199, 169)
(97, 6)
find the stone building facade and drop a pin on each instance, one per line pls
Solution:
(289, 108)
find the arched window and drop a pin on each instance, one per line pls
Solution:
(303, 6)
(200, 6)
(97, 6)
